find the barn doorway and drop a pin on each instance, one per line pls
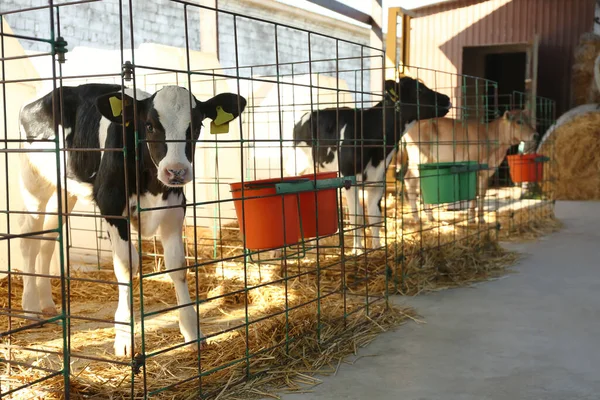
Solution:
(508, 66)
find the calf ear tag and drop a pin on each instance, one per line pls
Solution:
(116, 106)
(221, 122)
(222, 116)
(216, 129)
(393, 94)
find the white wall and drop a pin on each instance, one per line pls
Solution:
(16, 94)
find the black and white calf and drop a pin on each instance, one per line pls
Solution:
(169, 122)
(350, 141)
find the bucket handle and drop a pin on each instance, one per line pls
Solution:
(262, 185)
(541, 159)
(306, 185)
(468, 168)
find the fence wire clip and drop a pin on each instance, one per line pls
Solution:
(127, 71)
(60, 48)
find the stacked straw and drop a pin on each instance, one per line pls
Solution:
(583, 87)
(574, 149)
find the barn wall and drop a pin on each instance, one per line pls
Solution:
(441, 32)
(96, 25)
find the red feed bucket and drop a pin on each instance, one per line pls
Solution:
(326, 204)
(525, 168)
(262, 220)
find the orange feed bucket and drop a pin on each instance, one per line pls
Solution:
(325, 202)
(526, 167)
(266, 220)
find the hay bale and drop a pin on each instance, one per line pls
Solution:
(582, 81)
(574, 149)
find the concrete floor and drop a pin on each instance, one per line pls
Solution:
(530, 335)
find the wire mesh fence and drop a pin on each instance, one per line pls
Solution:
(177, 225)
(462, 182)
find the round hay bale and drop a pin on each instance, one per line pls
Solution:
(584, 89)
(574, 149)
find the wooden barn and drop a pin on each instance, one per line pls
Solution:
(524, 45)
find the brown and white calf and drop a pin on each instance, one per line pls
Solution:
(450, 140)
(91, 117)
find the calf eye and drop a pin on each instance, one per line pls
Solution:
(149, 127)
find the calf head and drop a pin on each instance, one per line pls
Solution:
(416, 100)
(516, 128)
(170, 120)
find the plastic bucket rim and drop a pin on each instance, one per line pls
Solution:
(444, 165)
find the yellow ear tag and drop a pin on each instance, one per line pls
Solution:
(216, 129)
(393, 94)
(116, 105)
(222, 116)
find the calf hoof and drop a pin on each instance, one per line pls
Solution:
(197, 347)
(357, 251)
(31, 308)
(122, 344)
(51, 311)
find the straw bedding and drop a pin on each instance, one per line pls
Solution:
(417, 259)
(529, 224)
(574, 170)
(275, 367)
(271, 368)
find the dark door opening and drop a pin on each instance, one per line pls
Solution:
(506, 65)
(508, 69)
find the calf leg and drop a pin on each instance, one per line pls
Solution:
(121, 249)
(170, 231)
(428, 212)
(417, 185)
(481, 191)
(35, 193)
(375, 194)
(471, 212)
(411, 183)
(46, 253)
(355, 211)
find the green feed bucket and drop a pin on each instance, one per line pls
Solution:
(449, 182)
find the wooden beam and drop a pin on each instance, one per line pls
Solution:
(405, 49)
(353, 13)
(376, 42)
(391, 55)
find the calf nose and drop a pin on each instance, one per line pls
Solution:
(177, 174)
